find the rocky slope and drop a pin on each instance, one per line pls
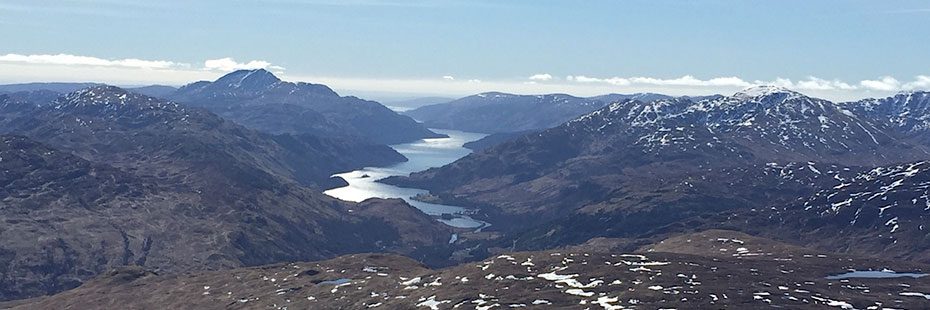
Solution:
(712, 269)
(636, 169)
(879, 210)
(907, 114)
(258, 99)
(105, 178)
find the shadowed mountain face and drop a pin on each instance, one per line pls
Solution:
(706, 270)
(258, 99)
(636, 169)
(103, 177)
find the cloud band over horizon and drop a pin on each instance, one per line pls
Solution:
(49, 67)
(226, 64)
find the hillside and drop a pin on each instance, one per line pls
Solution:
(711, 270)
(104, 178)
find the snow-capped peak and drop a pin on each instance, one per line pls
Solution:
(495, 95)
(248, 79)
(109, 98)
(98, 95)
(765, 90)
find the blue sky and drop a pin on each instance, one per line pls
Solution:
(836, 49)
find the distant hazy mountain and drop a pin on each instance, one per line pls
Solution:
(644, 97)
(500, 112)
(104, 177)
(507, 113)
(48, 92)
(647, 97)
(39, 97)
(635, 168)
(409, 104)
(157, 91)
(258, 99)
(55, 87)
(495, 139)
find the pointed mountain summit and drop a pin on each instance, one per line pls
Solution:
(244, 84)
(248, 79)
(765, 91)
(258, 99)
(765, 100)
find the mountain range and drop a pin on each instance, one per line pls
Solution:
(639, 170)
(413, 103)
(496, 112)
(214, 198)
(104, 177)
(52, 87)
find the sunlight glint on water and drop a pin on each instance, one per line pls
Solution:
(422, 155)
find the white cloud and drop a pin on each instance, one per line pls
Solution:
(585, 79)
(686, 80)
(228, 64)
(689, 80)
(811, 83)
(814, 83)
(18, 68)
(922, 82)
(542, 77)
(886, 83)
(75, 60)
(222, 64)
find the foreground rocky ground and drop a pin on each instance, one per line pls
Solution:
(711, 269)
